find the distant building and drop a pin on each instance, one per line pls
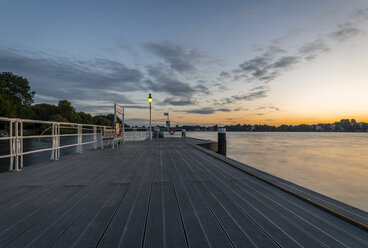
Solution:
(344, 122)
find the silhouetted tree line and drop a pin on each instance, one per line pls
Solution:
(342, 126)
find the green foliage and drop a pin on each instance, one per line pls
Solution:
(66, 110)
(15, 96)
(58, 118)
(7, 108)
(44, 111)
(85, 118)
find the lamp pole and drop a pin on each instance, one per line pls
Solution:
(150, 126)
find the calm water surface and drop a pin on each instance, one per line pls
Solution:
(334, 164)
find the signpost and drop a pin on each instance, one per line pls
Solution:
(167, 121)
(118, 110)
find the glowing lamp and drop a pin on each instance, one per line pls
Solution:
(149, 98)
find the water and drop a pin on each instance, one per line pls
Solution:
(333, 164)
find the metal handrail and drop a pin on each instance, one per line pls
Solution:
(16, 139)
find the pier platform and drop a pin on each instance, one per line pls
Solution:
(166, 193)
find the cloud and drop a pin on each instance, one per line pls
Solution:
(66, 78)
(204, 111)
(207, 111)
(178, 102)
(252, 95)
(312, 50)
(165, 82)
(268, 107)
(285, 62)
(201, 88)
(345, 32)
(360, 15)
(224, 110)
(178, 58)
(225, 74)
(266, 67)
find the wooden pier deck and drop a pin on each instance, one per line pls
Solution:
(160, 193)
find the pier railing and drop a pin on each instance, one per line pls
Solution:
(52, 130)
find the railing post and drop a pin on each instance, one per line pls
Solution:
(17, 145)
(79, 146)
(95, 136)
(11, 141)
(53, 152)
(21, 144)
(58, 140)
(101, 138)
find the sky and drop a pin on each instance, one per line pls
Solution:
(205, 62)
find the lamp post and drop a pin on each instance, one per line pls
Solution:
(150, 127)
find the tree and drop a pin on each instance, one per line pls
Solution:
(66, 110)
(44, 111)
(7, 108)
(15, 93)
(85, 118)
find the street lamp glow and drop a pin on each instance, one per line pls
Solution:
(149, 98)
(150, 119)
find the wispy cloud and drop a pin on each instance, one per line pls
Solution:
(346, 31)
(203, 111)
(178, 102)
(253, 94)
(207, 110)
(179, 58)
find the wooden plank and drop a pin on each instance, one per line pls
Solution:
(164, 226)
(126, 229)
(87, 230)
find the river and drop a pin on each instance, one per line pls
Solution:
(333, 164)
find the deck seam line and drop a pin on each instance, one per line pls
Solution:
(148, 207)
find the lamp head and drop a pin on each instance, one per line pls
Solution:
(149, 98)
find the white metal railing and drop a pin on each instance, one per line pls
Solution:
(16, 138)
(136, 134)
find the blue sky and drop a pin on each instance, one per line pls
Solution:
(207, 62)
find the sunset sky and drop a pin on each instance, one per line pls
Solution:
(206, 62)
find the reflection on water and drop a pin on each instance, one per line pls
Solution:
(334, 164)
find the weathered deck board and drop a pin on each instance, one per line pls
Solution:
(160, 193)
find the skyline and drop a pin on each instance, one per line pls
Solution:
(275, 62)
